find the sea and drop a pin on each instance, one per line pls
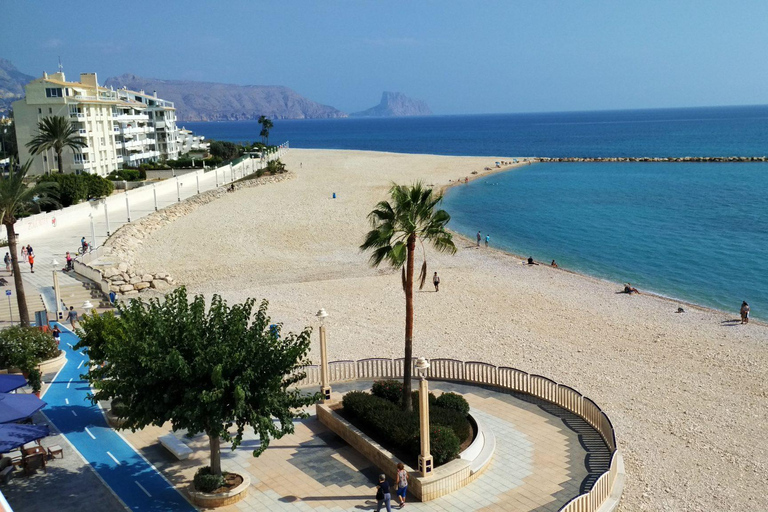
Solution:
(695, 232)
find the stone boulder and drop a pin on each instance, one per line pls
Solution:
(141, 286)
(126, 288)
(122, 267)
(160, 285)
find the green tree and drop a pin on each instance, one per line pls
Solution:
(75, 188)
(57, 133)
(266, 125)
(99, 187)
(25, 348)
(224, 149)
(18, 199)
(204, 371)
(411, 216)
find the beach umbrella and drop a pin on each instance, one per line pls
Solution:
(13, 435)
(10, 383)
(18, 406)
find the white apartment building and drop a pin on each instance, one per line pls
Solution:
(188, 141)
(121, 128)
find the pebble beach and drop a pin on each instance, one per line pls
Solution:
(686, 393)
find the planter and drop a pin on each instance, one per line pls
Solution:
(444, 479)
(209, 500)
(53, 364)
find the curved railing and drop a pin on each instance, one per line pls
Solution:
(503, 377)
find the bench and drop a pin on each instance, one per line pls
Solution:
(55, 450)
(176, 447)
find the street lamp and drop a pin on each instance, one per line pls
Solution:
(325, 388)
(56, 291)
(87, 306)
(425, 458)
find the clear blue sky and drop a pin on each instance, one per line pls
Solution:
(460, 56)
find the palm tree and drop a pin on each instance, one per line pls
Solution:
(57, 133)
(397, 226)
(17, 198)
(266, 125)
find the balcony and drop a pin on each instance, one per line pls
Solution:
(131, 117)
(76, 115)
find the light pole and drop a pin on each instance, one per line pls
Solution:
(87, 306)
(93, 231)
(325, 388)
(154, 192)
(127, 205)
(425, 458)
(197, 178)
(106, 217)
(178, 189)
(56, 291)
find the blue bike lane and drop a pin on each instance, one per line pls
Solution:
(137, 483)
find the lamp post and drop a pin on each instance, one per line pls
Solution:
(56, 291)
(154, 193)
(127, 205)
(178, 189)
(325, 388)
(93, 231)
(425, 457)
(106, 217)
(87, 306)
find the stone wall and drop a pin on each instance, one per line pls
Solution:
(127, 280)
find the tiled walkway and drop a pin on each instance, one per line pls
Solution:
(543, 458)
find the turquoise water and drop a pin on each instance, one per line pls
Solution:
(696, 232)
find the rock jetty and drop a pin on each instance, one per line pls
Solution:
(656, 159)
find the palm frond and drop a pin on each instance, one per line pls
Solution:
(423, 274)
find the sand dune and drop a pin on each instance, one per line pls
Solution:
(686, 392)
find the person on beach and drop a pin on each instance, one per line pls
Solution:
(402, 483)
(744, 312)
(24, 253)
(72, 316)
(630, 290)
(487, 240)
(436, 282)
(530, 261)
(31, 262)
(383, 496)
(553, 264)
(7, 260)
(478, 238)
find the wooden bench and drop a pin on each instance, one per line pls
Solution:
(55, 450)
(176, 447)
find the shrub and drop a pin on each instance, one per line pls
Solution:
(391, 390)
(415, 399)
(449, 418)
(453, 401)
(443, 444)
(25, 348)
(206, 482)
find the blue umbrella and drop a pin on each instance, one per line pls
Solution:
(13, 435)
(18, 406)
(10, 383)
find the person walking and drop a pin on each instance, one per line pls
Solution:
(402, 483)
(383, 496)
(24, 253)
(7, 260)
(478, 238)
(69, 261)
(487, 240)
(32, 262)
(744, 312)
(57, 333)
(436, 282)
(72, 316)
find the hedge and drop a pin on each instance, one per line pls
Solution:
(206, 482)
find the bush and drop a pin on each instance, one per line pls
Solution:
(449, 418)
(74, 188)
(25, 348)
(391, 390)
(443, 444)
(415, 399)
(125, 175)
(206, 482)
(453, 401)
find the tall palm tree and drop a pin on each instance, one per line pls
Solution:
(397, 226)
(57, 133)
(18, 198)
(266, 125)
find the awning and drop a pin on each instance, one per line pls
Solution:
(13, 435)
(18, 406)
(10, 383)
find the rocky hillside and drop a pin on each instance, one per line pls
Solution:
(396, 104)
(12, 83)
(208, 101)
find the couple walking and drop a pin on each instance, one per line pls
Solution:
(383, 494)
(480, 237)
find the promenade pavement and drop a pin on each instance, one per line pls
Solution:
(544, 457)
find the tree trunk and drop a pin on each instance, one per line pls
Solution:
(60, 163)
(215, 454)
(21, 297)
(407, 402)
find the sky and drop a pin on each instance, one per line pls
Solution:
(461, 57)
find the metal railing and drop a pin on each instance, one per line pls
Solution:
(512, 379)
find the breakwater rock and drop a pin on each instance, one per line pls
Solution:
(656, 159)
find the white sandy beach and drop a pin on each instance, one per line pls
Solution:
(686, 393)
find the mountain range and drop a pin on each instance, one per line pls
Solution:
(209, 101)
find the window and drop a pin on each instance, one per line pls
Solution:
(45, 158)
(39, 111)
(53, 92)
(50, 110)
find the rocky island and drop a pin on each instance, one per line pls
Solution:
(396, 104)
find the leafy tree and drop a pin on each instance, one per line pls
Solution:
(18, 199)
(266, 125)
(25, 348)
(224, 149)
(411, 216)
(204, 371)
(57, 133)
(98, 186)
(74, 188)
(8, 141)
